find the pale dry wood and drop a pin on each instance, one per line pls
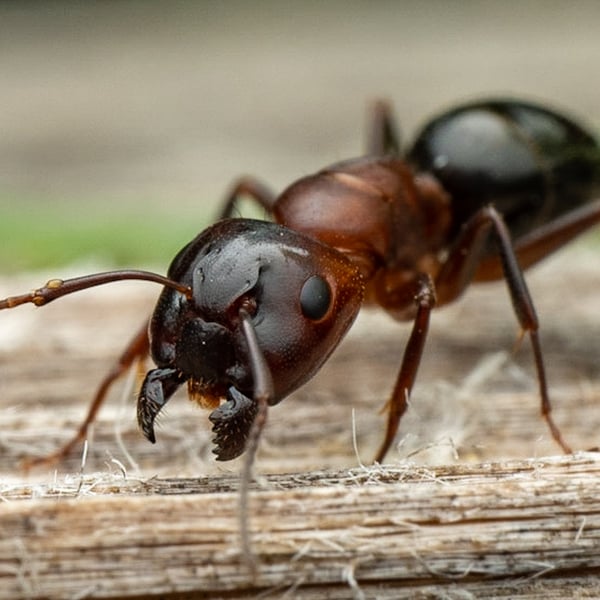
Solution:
(518, 530)
(514, 529)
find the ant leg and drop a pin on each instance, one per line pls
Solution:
(544, 240)
(459, 269)
(136, 350)
(382, 138)
(424, 296)
(254, 189)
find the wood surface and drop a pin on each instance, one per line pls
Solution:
(474, 502)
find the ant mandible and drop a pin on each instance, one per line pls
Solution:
(252, 309)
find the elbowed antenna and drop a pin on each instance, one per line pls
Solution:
(56, 288)
(263, 393)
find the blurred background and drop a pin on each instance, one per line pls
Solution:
(123, 123)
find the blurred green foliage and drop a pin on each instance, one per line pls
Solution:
(38, 236)
(42, 235)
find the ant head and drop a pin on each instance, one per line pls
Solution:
(299, 295)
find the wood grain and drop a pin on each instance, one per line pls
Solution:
(496, 530)
(460, 511)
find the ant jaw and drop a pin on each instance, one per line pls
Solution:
(159, 385)
(232, 423)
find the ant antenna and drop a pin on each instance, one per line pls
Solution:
(56, 288)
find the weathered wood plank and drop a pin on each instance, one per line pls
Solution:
(483, 524)
(492, 530)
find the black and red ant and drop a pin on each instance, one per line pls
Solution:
(252, 309)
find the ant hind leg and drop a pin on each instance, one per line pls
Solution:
(383, 138)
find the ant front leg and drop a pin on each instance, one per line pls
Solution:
(136, 351)
(251, 188)
(459, 270)
(422, 291)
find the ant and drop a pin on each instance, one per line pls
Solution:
(251, 309)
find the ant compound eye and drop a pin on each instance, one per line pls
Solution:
(315, 298)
